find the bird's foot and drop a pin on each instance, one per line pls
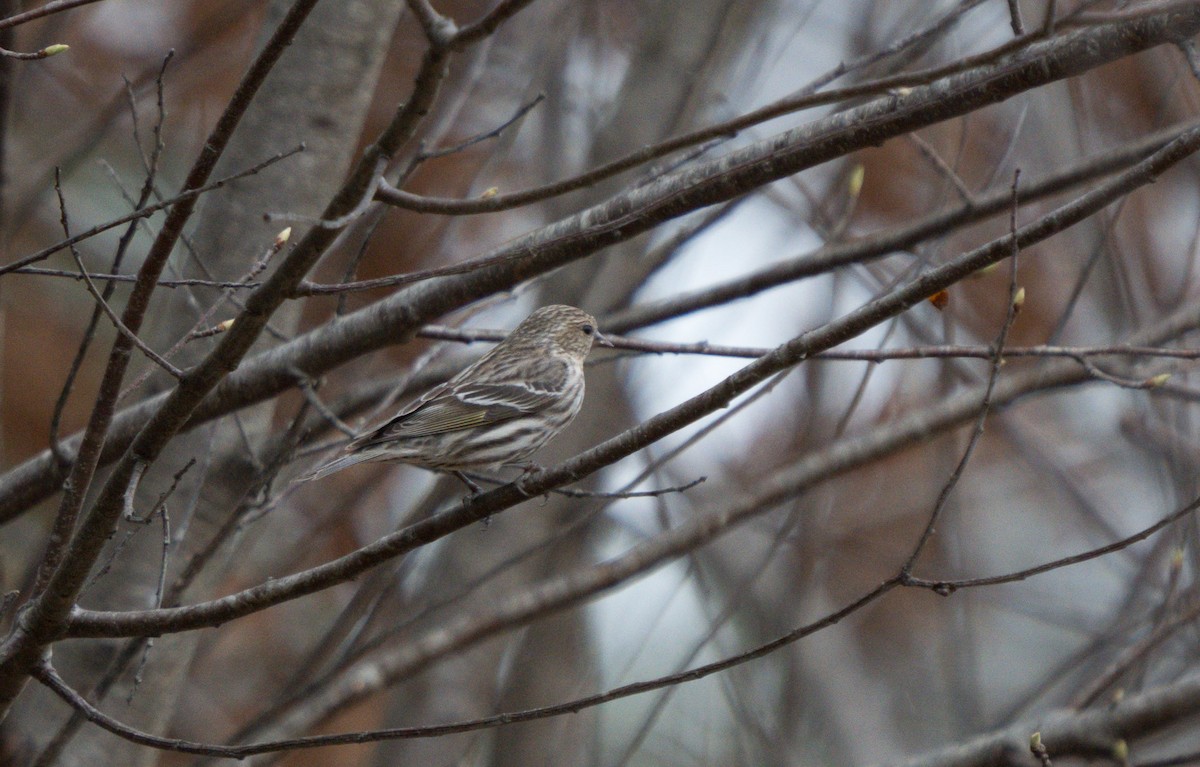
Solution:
(473, 490)
(526, 470)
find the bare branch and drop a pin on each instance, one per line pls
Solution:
(829, 463)
(154, 356)
(183, 198)
(55, 6)
(985, 406)
(72, 551)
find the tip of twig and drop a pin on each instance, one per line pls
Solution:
(215, 330)
(855, 183)
(1121, 751)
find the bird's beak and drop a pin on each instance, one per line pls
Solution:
(602, 340)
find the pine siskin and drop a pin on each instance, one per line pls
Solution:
(497, 411)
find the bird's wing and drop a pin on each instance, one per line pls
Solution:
(462, 403)
(526, 396)
(466, 406)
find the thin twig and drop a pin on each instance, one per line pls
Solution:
(570, 493)
(49, 50)
(45, 673)
(109, 277)
(198, 330)
(1132, 654)
(523, 110)
(380, 181)
(135, 481)
(55, 6)
(305, 382)
(173, 371)
(1014, 17)
(489, 22)
(985, 406)
(122, 248)
(160, 508)
(930, 154)
(341, 222)
(180, 199)
(947, 587)
(947, 351)
(1153, 382)
(806, 98)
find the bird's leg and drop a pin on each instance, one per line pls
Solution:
(475, 492)
(471, 486)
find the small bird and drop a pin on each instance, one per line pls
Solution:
(496, 412)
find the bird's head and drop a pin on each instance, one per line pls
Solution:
(564, 329)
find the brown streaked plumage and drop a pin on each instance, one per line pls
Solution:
(498, 411)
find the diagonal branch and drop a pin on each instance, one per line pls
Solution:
(186, 197)
(101, 301)
(481, 507)
(70, 551)
(395, 319)
(55, 6)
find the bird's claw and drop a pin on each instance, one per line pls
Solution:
(519, 482)
(527, 470)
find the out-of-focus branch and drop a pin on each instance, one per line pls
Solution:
(72, 549)
(627, 215)
(881, 244)
(1066, 732)
(186, 197)
(561, 592)
(1092, 733)
(56, 6)
(483, 506)
(807, 98)
(949, 351)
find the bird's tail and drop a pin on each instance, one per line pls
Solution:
(335, 465)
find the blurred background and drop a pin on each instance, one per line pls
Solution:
(1056, 474)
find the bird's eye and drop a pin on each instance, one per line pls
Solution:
(588, 330)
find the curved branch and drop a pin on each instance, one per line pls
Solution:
(71, 549)
(889, 241)
(215, 612)
(395, 319)
(807, 98)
